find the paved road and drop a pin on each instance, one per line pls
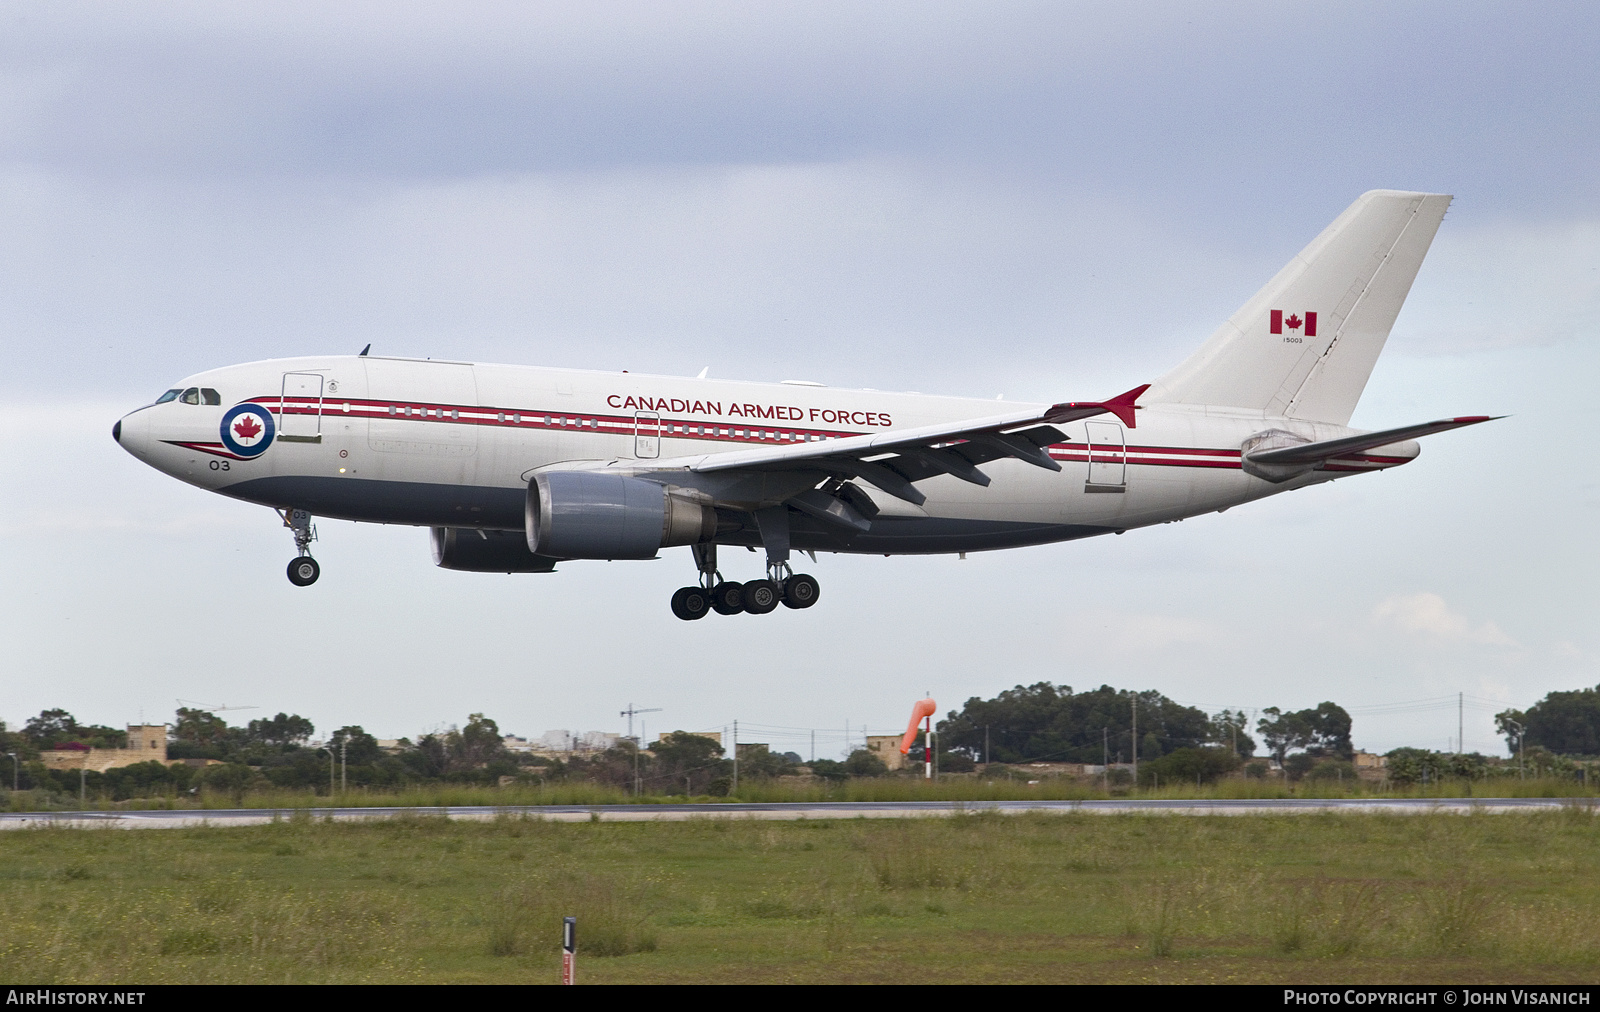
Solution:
(163, 819)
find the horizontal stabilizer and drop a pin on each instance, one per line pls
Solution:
(1328, 449)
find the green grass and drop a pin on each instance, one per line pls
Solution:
(895, 788)
(974, 897)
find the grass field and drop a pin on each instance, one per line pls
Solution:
(978, 898)
(950, 788)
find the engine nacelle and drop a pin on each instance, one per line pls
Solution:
(589, 515)
(476, 551)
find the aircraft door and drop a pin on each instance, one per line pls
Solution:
(1108, 458)
(300, 408)
(646, 434)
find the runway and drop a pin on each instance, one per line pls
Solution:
(222, 817)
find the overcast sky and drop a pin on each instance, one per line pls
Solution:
(1049, 201)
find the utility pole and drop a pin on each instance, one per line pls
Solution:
(344, 780)
(333, 762)
(1522, 771)
(83, 788)
(638, 746)
(736, 757)
(986, 759)
(1461, 722)
(813, 745)
(1105, 758)
(1136, 740)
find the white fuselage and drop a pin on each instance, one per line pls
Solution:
(448, 444)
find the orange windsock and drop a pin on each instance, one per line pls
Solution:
(923, 708)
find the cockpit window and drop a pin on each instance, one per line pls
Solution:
(170, 395)
(209, 396)
(190, 396)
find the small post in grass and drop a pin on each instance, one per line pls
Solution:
(569, 948)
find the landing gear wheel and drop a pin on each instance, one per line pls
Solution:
(727, 598)
(303, 572)
(801, 591)
(691, 603)
(761, 596)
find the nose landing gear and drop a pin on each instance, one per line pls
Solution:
(303, 569)
(303, 572)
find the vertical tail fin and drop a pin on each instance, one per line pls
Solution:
(1304, 345)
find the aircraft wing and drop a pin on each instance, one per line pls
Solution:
(1328, 449)
(893, 461)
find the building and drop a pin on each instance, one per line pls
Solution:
(1369, 766)
(887, 748)
(146, 743)
(562, 742)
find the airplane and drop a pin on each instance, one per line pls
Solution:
(516, 469)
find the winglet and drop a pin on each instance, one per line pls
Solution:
(1121, 405)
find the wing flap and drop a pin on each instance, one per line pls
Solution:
(895, 461)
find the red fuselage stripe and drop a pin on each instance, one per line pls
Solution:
(721, 431)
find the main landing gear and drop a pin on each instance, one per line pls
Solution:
(303, 569)
(758, 597)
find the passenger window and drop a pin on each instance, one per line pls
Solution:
(170, 395)
(210, 396)
(190, 396)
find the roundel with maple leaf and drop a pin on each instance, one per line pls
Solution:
(247, 429)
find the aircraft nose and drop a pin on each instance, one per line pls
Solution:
(132, 432)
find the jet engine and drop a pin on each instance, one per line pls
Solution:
(589, 515)
(479, 551)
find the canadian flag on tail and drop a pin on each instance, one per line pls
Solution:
(1294, 322)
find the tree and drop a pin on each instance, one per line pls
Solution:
(199, 727)
(614, 766)
(865, 763)
(681, 756)
(1299, 764)
(1323, 731)
(359, 747)
(56, 728)
(282, 730)
(954, 762)
(1186, 765)
(829, 769)
(1512, 724)
(233, 778)
(756, 760)
(1566, 723)
(50, 728)
(1229, 729)
(1045, 721)
(476, 745)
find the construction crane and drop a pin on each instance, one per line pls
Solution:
(214, 709)
(631, 710)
